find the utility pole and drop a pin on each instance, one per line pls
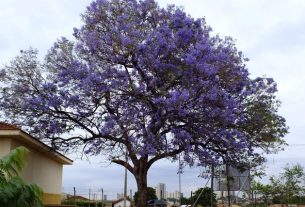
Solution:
(74, 195)
(212, 184)
(125, 182)
(89, 196)
(228, 184)
(255, 198)
(95, 199)
(192, 200)
(102, 197)
(130, 195)
(179, 172)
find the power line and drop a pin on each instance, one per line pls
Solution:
(295, 145)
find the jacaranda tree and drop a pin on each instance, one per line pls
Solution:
(146, 82)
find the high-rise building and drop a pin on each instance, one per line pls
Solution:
(120, 195)
(176, 195)
(161, 191)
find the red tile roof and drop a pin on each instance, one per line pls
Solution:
(27, 138)
(5, 126)
(119, 200)
(81, 198)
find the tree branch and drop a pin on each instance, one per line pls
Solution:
(164, 155)
(124, 164)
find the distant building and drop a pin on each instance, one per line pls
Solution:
(119, 196)
(161, 191)
(105, 197)
(44, 165)
(225, 193)
(218, 194)
(174, 195)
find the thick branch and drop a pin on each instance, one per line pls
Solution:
(124, 164)
(164, 155)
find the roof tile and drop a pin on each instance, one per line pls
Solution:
(5, 126)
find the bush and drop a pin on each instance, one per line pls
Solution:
(84, 203)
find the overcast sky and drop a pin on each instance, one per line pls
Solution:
(271, 33)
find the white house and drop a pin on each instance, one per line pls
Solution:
(120, 203)
(44, 166)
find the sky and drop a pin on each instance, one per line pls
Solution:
(271, 33)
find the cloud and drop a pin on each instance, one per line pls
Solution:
(36, 24)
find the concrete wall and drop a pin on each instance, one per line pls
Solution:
(41, 170)
(5, 147)
(121, 204)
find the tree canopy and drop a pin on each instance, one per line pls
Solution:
(148, 82)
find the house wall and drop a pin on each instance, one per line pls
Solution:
(44, 172)
(121, 204)
(5, 146)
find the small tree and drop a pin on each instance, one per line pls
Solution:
(293, 180)
(146, 82)
(264, 191)
(203, 197)
(185, 201)
(288, 187)
(13, 191)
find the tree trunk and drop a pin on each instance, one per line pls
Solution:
(139, 171)
(140, 174)
(142, 192)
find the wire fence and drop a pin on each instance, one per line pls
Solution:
(92, 194)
